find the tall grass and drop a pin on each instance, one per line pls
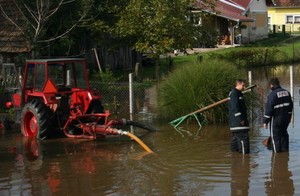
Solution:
(195, 85)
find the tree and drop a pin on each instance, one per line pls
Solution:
(105, 16)
(46, 21)
(160, 26)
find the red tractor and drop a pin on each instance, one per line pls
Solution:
(56, 97)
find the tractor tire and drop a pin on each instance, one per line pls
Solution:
(36, 120)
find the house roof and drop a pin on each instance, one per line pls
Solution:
(12, 40)
(229, 9)
(286, 3)
(243, 3)
(232, 10)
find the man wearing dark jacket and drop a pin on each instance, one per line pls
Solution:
(238, 120)
(278, 114)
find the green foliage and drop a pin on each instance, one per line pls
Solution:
(69, 28)
(46, 22)
(251, 57)
(108, 76)
(195, 85)
(102, 25)
(159, 26)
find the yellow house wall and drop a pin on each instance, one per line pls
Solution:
(278, 18)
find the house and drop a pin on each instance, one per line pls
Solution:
(240, 21)
(12, 41)
(284, 15)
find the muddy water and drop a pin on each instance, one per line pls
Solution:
(184, 163)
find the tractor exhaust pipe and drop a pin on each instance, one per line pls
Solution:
(68, 82)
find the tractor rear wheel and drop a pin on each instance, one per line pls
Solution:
(36, 120)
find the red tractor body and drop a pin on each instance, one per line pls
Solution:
(48, 79)
(56, 97)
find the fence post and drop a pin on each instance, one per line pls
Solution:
(250, 77)
(131, 100)
(250, 83)
(292, 90)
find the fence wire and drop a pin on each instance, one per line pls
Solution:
(115, 98)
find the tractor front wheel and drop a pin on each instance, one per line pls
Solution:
(36, 120)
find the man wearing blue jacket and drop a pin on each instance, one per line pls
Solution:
(278, 114)
(238, 120)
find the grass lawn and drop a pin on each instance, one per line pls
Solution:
(288, 47)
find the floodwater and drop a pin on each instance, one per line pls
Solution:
(187, 162)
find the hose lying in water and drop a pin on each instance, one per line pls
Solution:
(140, 142)
(139, 124)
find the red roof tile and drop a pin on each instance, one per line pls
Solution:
(243, 3)
(232, 11)
(228, 9)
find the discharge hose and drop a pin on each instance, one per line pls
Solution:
(139, 124)
(135, 138)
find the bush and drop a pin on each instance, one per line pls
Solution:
(196, 85)
(252, 57)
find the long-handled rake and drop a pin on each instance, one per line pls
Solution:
(175, 123)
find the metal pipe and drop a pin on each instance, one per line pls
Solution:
(291, 81)
(292, 89)
(68, 82)
(130, 100)
(250, 77)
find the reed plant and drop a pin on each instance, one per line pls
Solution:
(195, 85)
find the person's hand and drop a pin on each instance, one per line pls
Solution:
(265, 125)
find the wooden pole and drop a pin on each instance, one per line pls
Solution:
(97, 59)
(218, 102)
(179, 120)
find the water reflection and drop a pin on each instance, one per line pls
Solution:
(279, 181)
(187, 162)
(240, 174)
(34, 167)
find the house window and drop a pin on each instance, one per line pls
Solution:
(289, 19)
(297, 19)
